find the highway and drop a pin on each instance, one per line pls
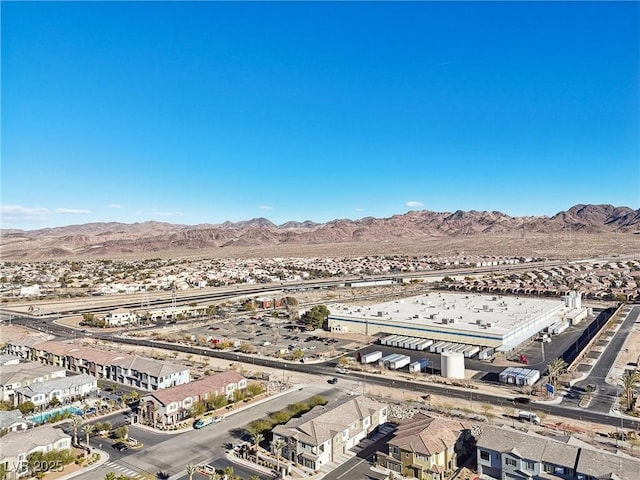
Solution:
(101, 304)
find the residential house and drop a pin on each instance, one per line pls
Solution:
(64, 389)
(24, 374)
(22, 347)
(171, 405)
(12, 421)
(16, 446)
(326, 432)
(507, 454)
(127, 369)
(428, 448)
(147, 374)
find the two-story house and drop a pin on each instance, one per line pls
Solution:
(24, 374)
(147, 374)
(16, 447)
(507, 454)
(326, 432)
(171, 405)
(428, 448)
(12, 421)
(64, 389)
(129, 370)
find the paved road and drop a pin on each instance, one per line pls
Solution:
(170, 453)
(605, 395)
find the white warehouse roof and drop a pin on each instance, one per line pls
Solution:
(471, 318)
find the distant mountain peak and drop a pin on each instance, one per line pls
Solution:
(112, 238)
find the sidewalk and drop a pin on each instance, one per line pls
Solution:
(104, 458)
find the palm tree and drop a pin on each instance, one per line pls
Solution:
(277, 446)
(88, 430)
(630, 378)
(556, 367)
(191, 469)
(214, 476)
(228, 472)
(257, 438)
(76, 421)
(110, 476)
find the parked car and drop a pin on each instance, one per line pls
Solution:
(120, 446)
(333, 381)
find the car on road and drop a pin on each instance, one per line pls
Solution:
(120, 446)
(521, 400)
(333, 381)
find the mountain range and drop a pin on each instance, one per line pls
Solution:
(107, 239)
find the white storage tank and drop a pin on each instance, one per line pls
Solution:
(452, 365)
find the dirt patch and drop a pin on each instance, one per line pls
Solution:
(630, 353)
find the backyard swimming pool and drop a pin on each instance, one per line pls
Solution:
(43, 417)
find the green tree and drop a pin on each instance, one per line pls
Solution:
(316, 316)
(121, 432)
(556, 368)
(3, 471)
(54, 402)
(197, 409)
(257, 438)
(88, 430)
(629, 379)
(76, 421)
(110, 476)
(219, 401)
(254, 389)
(26, 407)
(277, 446)
(297, 354)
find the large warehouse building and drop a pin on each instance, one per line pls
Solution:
(473, 319)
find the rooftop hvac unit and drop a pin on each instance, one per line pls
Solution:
(489, 324)
(479, 321)
(380, 314)
(445, 321)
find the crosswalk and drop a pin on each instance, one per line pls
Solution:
(120, 469)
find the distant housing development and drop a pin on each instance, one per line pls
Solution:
(473, 319)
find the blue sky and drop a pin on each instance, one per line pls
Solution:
(204, 112)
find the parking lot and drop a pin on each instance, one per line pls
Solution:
(265, 335)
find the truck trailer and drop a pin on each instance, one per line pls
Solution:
(400, 362)
(371, 357)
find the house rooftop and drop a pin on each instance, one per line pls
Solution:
(56, 384)
(16, 443)
(427, 435)
(197, 388)
(9, 418)
(27, 371)
(323, 422)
